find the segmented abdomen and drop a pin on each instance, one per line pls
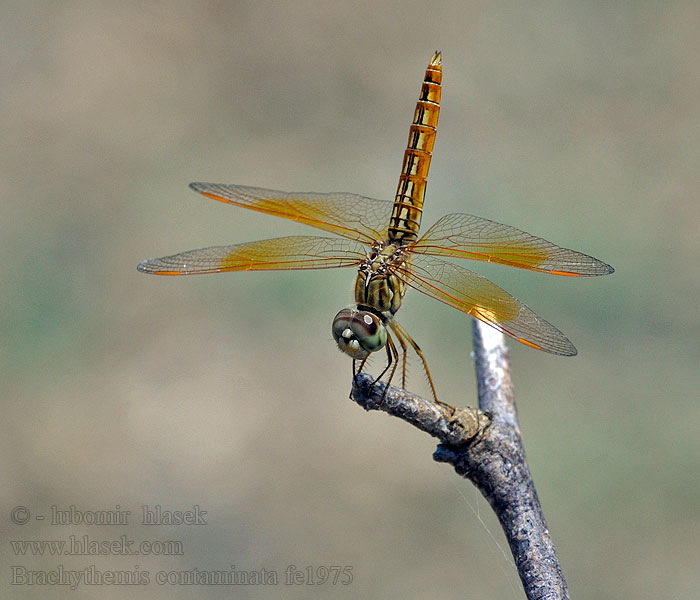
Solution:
(408, 205)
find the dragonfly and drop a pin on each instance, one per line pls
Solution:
(381, 240)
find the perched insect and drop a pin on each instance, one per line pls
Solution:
(381, 241)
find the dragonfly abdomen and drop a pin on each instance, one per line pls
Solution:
(408, 204)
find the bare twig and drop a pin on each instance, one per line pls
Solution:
(484, 445)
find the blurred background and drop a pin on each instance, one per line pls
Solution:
(576, 121)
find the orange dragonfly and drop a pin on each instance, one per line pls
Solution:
(380, 239)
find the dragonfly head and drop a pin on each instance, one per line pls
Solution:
(358, 332)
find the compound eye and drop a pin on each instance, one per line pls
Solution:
(341, 323)
(369, 330)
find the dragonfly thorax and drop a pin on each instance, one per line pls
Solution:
(377, 284)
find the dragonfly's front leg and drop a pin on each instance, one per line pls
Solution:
(356, 371)
(404, 348)
(392, 357)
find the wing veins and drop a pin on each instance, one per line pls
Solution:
(463, 236)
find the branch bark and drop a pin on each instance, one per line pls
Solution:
(484, 445)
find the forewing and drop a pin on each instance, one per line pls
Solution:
(467, 236)
(348, 215)
(295, 252)
(484, 300)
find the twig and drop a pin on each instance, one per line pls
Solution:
(484, 445)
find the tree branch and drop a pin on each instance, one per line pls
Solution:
(484, 445)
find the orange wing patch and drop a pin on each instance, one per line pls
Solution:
(277, 254)
(468, 236)
(347, 215)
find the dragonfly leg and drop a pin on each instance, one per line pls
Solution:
(404, 348)
(392, 357)
(362, 366)
(400, 331)
(391, 351)
(357, 370)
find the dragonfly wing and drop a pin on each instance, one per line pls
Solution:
(467, 236)
(348, 215)
(296, 252)
(477, 296)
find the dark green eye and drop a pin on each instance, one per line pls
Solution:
(358, 332)
(341, 322)
(369, 330)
